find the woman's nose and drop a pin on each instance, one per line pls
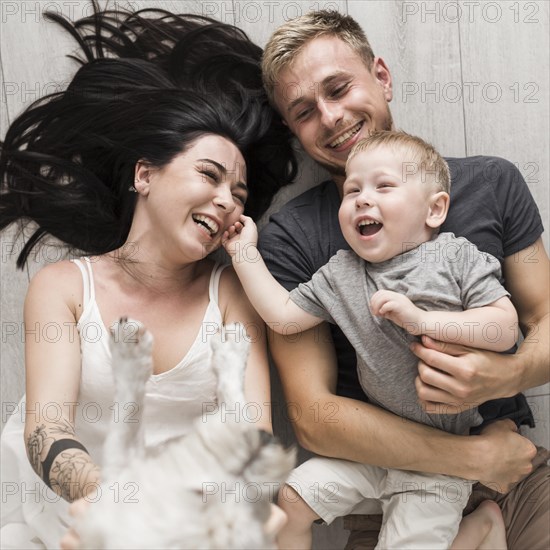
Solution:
(224, 200)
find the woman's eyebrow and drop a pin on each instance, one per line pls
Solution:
(224, 171)
(219, 166)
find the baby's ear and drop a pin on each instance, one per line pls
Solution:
(438, 208)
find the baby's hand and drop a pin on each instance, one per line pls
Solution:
(240, 236)
(398, 309)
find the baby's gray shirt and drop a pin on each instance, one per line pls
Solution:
(444, 274)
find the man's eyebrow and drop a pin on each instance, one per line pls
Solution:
(295, 103)
(334, 76)
(325, 83)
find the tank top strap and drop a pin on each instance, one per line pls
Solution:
(85, 267)
(213, 288)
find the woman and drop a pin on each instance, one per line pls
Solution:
(143, 177)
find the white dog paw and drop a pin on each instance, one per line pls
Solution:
(232, 338)
(230, 349)
(131, 350)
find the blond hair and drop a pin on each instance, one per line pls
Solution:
(418, 151)
(287, 41)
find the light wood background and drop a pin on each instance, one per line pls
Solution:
(471, 77)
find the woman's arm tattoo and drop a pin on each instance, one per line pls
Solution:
(73, 474)
(37, 443)
(63, 427)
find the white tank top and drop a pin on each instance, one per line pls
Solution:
(173, 399)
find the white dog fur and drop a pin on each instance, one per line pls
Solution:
(210, 489)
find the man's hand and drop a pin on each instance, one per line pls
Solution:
(508, 457)
(242, 235)
(398, 309)
(451, 374)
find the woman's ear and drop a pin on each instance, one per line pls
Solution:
(142, 178)
(438, 208)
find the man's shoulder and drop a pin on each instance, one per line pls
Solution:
(489, 169)
(478, 160)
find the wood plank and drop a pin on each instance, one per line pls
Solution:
(539, 390)
(423, 54)
(507, 112)
(4, 119)
(540, 435)
(216, 10)
(13, 287)
(33, 52)
(506, 63)
(261, 18)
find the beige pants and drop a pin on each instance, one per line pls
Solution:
(420, 511)
(526, 511)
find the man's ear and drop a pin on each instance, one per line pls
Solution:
(438, 208)
(382, 74)
(142, 177)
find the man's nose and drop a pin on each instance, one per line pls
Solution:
(331, 112)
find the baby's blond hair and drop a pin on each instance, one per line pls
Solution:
(418, 151)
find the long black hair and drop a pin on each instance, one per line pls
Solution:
(147, 88)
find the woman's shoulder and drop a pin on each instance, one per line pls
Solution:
(232, 298)
(58, 281)
(57, 274)
(230, 285)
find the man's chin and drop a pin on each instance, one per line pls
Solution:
(335, 169)
(337, 172)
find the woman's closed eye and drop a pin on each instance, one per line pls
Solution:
(211, 174)
(240, 197)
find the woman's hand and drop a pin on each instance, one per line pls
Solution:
(71, 539)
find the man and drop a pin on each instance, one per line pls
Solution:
(323, 78)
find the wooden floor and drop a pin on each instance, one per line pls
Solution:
(471, 77)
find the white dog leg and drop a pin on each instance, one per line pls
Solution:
(131, 347)
(230, 349)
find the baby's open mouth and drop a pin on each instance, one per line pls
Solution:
(368, 227)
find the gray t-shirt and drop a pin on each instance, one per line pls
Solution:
(446, 273)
